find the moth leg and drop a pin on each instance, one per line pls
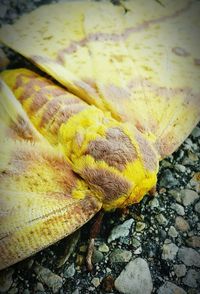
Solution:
(153, 192)
(95, 229)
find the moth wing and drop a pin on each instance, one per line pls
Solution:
(142, 66)
(146, 66)
(41, 199)
(42, 29)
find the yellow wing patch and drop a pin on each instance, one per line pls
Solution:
(142, 66)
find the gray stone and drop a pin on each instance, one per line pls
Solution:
(189, 256)
(120, 230)
(135, 242)
(176, 194)
(172, 232)
(154, 203)
(103, 248)
(39, 287)
(47, 277)
(135, 278)
(140, 226)
(69, 271)
(193, 241)
(188, 196)
(13, 290)
(3, 10)
(168, 179)
(169, 251)
(181, 224)
(193, 291)
(197, 207)
(97, 256)
(138, 250)
(192, 278)
(120, 255)
(95, 282)
(6, 280)
(194, 182)
(180, 270)
(180, 167)
(170, 288)
(196, 132)
(76, 291)
(161, 219)
(179, 209)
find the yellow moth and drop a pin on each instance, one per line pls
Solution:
(128, 95)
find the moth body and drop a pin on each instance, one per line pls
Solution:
(115, 159)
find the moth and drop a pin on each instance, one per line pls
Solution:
(127, 95)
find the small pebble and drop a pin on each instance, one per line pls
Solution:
(103, 248)
(161, 219)
(97, 256)
(180, 167)
(196, 132)
(135, 242)
(188, 196)
(6, 280)
(120, 230)
(189, 256)
(140, 226)
(120, 255)
(39, 287)
(47, 277)
(192, 278)
(193, 242)
(95, 282)
(176, 194)
(3, 10)
(138, 250)
(169, 251)
(179, 209)
(180, 270)
(181, 224)
(69, 271)
(172, 232)
(135, 278)
(170, 288)
(154, 203)
(197, 207)
(168, 179)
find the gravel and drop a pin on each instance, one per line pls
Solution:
(163, 231)
(135, 278)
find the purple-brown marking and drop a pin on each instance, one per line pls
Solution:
(180, 51)
(148, 154)
(110, 185)
(116, 149)
(99, 36)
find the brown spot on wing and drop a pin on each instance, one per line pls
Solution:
(113, 37)
(22, 129)
(148, 154)
(180, 51)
